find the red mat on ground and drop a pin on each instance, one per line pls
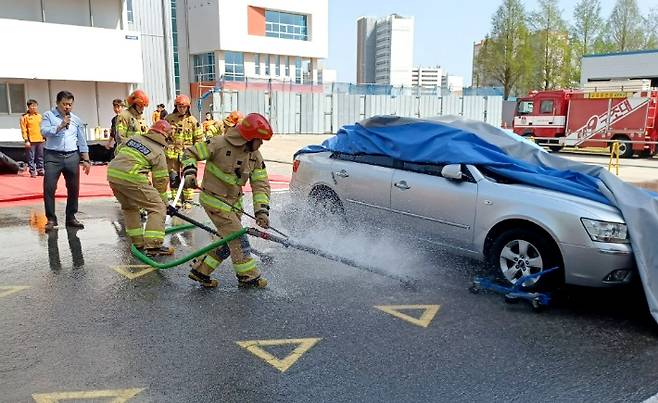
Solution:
(21, 189)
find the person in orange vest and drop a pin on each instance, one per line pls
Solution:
(157, 114)
(31, 130)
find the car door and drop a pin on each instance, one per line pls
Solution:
(363, 183)
(434, 207)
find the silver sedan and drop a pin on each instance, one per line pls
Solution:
(515, 228)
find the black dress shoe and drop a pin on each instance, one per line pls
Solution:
(74, 223)
(50, 226)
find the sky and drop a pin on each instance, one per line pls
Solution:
(444, 29)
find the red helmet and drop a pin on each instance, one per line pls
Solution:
(183, 100)
(233, 118)
(163, 127)
(255, 126)
(138, 97)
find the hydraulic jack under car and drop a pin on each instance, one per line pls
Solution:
(517, 291)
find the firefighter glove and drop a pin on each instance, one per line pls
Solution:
(263, 220)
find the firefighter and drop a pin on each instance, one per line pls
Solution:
(130, 122)
(231, 160)
(187, 132)
(210, 129)
(128, 178)
(229, 121)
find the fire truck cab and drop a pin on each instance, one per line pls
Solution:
(595, 116)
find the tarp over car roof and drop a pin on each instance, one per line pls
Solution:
(453, 140)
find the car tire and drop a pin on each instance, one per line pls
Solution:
(326, 206)
(625, 149)
(534, 252)
(555, 149)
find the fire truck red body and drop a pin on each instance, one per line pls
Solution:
(591, 118)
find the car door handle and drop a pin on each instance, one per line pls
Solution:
(402, 185)
(342, 173)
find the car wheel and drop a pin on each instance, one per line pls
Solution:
(325, 205)
(520, 252)
(625, 149)
(555, 149)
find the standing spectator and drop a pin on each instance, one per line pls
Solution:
(65, 145)
(157, 113)
(31, 131)
(117, 106)
(163, 112)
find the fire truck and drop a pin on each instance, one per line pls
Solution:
(594, 116)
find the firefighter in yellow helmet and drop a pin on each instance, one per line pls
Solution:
(187, 132)
(231, 161)
(131, 121)
(128, 177)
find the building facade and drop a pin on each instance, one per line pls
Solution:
(238, 40)
(641, 64)
(385, 50)
(97, 49)
(427, 77)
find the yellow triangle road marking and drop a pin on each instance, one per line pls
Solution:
(132, 271)
(118, 395)
(11, 289)
(429, 313)
(254, 347)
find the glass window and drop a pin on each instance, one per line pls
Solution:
(428, 169)
(546, 106)
(267, 65)
(129, 12)
(298, 70)
(257, 63)
(288, 66)
(524, 107)
(286, 25)
(174, 34)
(379, 160)
(204, 67)
(17, 98)
(277, 66)
(4, 104)
(234, 62)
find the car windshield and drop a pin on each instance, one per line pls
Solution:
(524, 107)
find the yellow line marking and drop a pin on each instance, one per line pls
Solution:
(254, 347)
(132, 271)
(11, 289)
(429, 313)
(119, 395)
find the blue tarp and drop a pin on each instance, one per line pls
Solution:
(433, 142)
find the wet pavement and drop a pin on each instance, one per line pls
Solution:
(322, 331)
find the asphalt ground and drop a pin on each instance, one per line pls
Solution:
(74, 327)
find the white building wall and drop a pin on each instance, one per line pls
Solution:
(203, 30)
(629, 65)
(402, 50)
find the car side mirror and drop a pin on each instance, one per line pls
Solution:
(453, 171)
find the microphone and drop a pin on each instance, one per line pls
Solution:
(68, 114)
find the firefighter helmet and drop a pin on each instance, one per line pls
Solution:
(138, 97)
(163, 127)
(255, 126)
(183, 100)
(233, 118)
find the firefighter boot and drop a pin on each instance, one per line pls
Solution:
(159, 251)
(201, 270)
(251, 278)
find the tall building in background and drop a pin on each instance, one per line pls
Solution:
(385, 50)
(234, 40)
(116, 46)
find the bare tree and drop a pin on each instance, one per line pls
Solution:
(625, 26)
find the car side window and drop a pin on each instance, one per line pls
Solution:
(427, 169)
(379, 160)
(546, 106)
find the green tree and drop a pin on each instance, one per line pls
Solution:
(504, 56)
(551, 46)
(651, 22)
(587, 25)
(625, 29)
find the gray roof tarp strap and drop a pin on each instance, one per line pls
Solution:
(638, 206)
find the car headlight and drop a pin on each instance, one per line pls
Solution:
(604, 231)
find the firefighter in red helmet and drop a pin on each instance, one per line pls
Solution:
(231, 161)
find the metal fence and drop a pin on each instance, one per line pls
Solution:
(323, 112)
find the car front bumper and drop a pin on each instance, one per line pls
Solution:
(590, 265)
